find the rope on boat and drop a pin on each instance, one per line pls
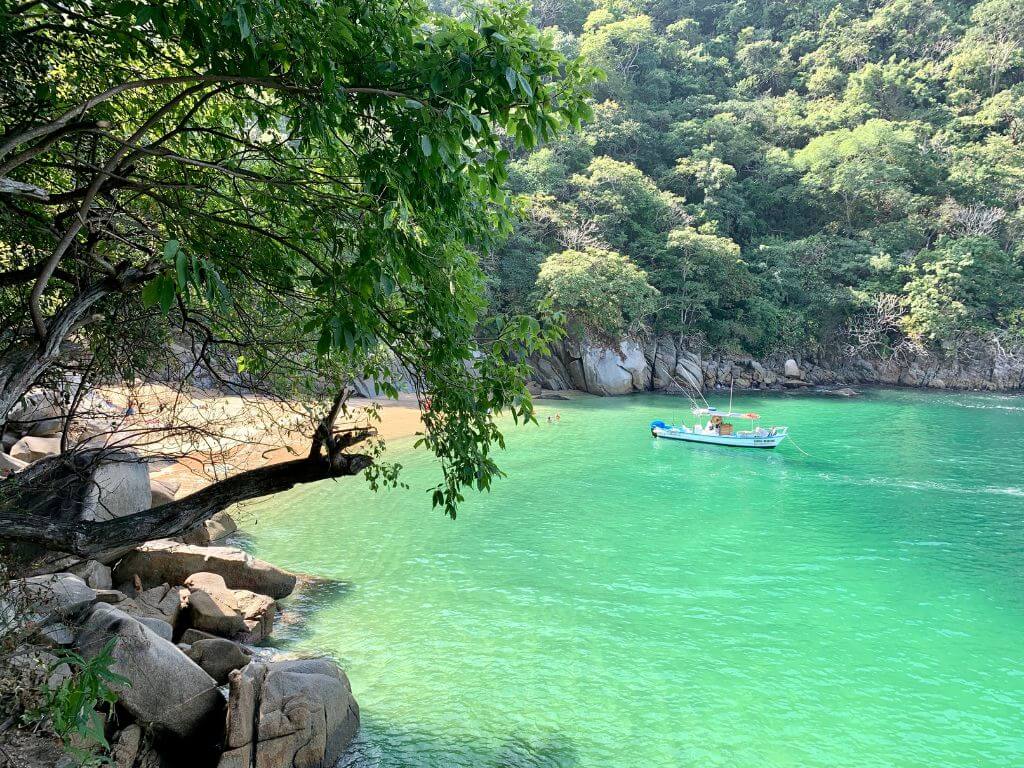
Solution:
(805, 453)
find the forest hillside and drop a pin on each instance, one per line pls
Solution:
(761, 176)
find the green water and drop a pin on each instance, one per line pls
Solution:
(621, 601)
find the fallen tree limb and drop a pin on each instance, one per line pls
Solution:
(38, 505)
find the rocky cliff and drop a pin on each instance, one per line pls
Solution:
(662, 364)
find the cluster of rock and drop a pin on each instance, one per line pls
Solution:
(665, 364)
(185, 618)
(119, 485)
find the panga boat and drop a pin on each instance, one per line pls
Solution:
(718, 431)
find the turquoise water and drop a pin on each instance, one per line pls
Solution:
(621, 601)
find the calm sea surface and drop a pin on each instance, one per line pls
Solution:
(621, 601)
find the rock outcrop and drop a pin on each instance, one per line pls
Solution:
(216, 529)
(167, 561)
(666, 364)
(237, 613)
(289, 713)
(163, 602)
(29, 448)
(94, 573)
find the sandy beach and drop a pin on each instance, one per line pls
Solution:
(225, 434)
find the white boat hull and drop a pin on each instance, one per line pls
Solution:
(734, 441)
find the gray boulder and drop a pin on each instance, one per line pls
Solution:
(118, 486)
(159, 627)
(31, 449)
(220, 526)
(53, 599)
(93, 573)
(40, 413)
(218, 657)
(237, 613)
(295, 713)
(608, 371)
(213, 613)
(167, 691)
(217, 528)
(161, 493)
(9, 464)
(163, 603)
(167, 561)
(792, 370)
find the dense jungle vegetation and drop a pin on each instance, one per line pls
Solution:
(763, 175)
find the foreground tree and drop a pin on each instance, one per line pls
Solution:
(292, 187)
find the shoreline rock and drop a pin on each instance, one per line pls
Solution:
(167, 561)
(662, 364)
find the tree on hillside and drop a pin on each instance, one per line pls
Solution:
(603, 293)
(877, 168)
(698, 269)
(292, 187)
(960, 288)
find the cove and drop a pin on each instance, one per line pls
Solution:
(623, 601)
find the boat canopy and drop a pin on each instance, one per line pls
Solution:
(726, 414)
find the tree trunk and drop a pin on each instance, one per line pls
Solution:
(23, 367)
(39, 504)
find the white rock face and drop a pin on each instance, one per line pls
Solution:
(615, 371)
(792, 370)
(689, 370)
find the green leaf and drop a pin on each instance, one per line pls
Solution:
(512, 77)
(181, 267)
(426, 146)
(524, 86)
(243, 22)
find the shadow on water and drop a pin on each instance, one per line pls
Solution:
(310, 596)
(382, 745)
